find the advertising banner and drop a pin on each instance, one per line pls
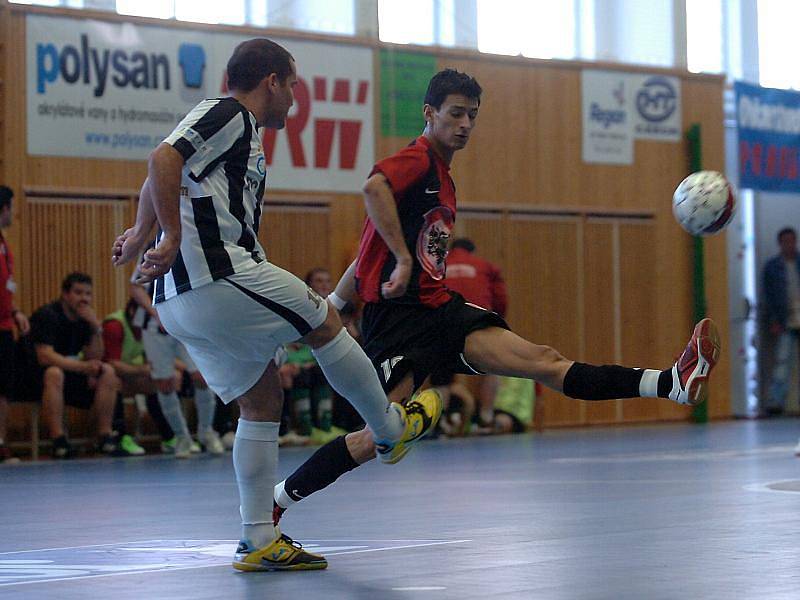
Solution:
(768, 123)
(619, 108)
(115, 90)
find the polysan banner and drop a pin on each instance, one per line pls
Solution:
(768, 123)
(97, 89)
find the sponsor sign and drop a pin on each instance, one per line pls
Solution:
(404, 81)
(619, 108)
(768, 123)
(115, 90)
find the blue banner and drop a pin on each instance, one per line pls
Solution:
(769, 138)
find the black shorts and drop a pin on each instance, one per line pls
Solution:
(7, 362)
(77, 392)
(400, 338)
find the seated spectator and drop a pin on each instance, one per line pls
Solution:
(68, 343)
(310, 417)
(513, 405)
(163, 351)
(124, 351)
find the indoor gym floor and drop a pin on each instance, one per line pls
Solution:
(644, 512)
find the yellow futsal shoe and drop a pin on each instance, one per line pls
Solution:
(421, 415)
(282, 554)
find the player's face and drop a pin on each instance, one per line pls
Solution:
(78, 296)
(281, 99)
(788, 243)
(321, 283)
(5, 216)
(452, 124)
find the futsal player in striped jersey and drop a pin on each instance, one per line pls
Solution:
(216, 292)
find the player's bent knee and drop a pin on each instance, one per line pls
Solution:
(198, 380)
(323, 334)
(54, 376)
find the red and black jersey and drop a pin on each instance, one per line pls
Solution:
(6, 286)
(426, 205)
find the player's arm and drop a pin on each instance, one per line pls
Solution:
(164, 172)
(130, 244)
(47, 356)
(346, 288)
(139, 294)
(382, 211)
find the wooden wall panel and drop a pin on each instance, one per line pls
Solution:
(291, 237)
(74, 235)
(487, 231)
(542, 275)
(638, 339)
(599, 298)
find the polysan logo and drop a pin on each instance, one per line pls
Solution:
(99, 68)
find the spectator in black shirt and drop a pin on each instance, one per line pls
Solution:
(67, 337)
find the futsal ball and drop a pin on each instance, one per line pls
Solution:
(703, 203)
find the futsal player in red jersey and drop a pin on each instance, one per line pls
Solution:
(414, 326)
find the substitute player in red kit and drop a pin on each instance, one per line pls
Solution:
(414, 326)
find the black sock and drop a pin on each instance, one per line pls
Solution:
(118, 420)
(665, 383)
(606, 382)
(154, 408)
(324, 467)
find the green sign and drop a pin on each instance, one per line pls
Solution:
(404, 80)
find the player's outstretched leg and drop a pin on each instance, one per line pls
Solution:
(499, 351)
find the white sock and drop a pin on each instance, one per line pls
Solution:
(255, 460)
(648, 386)
(206, 404)
(281, 497)
(351, 374)
(171, 407)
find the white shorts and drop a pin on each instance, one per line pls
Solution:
(161, 351)
(232, 327)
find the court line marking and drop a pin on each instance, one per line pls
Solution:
(376, 541)
(171, 569)
(764, 487)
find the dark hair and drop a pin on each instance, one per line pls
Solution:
(449, 82)
(255, 59)
(5, 196)
(463, 243)
(130, 309)
(786, 231)
(73, 278)
(314, 271)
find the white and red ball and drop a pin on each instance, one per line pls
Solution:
(704, 203)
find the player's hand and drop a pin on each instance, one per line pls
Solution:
(398, 280)
(127, 247)
(23, 325)
(86, 312)
(93, 367)
(158, 261)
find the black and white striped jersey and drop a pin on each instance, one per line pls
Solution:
(221, 190)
